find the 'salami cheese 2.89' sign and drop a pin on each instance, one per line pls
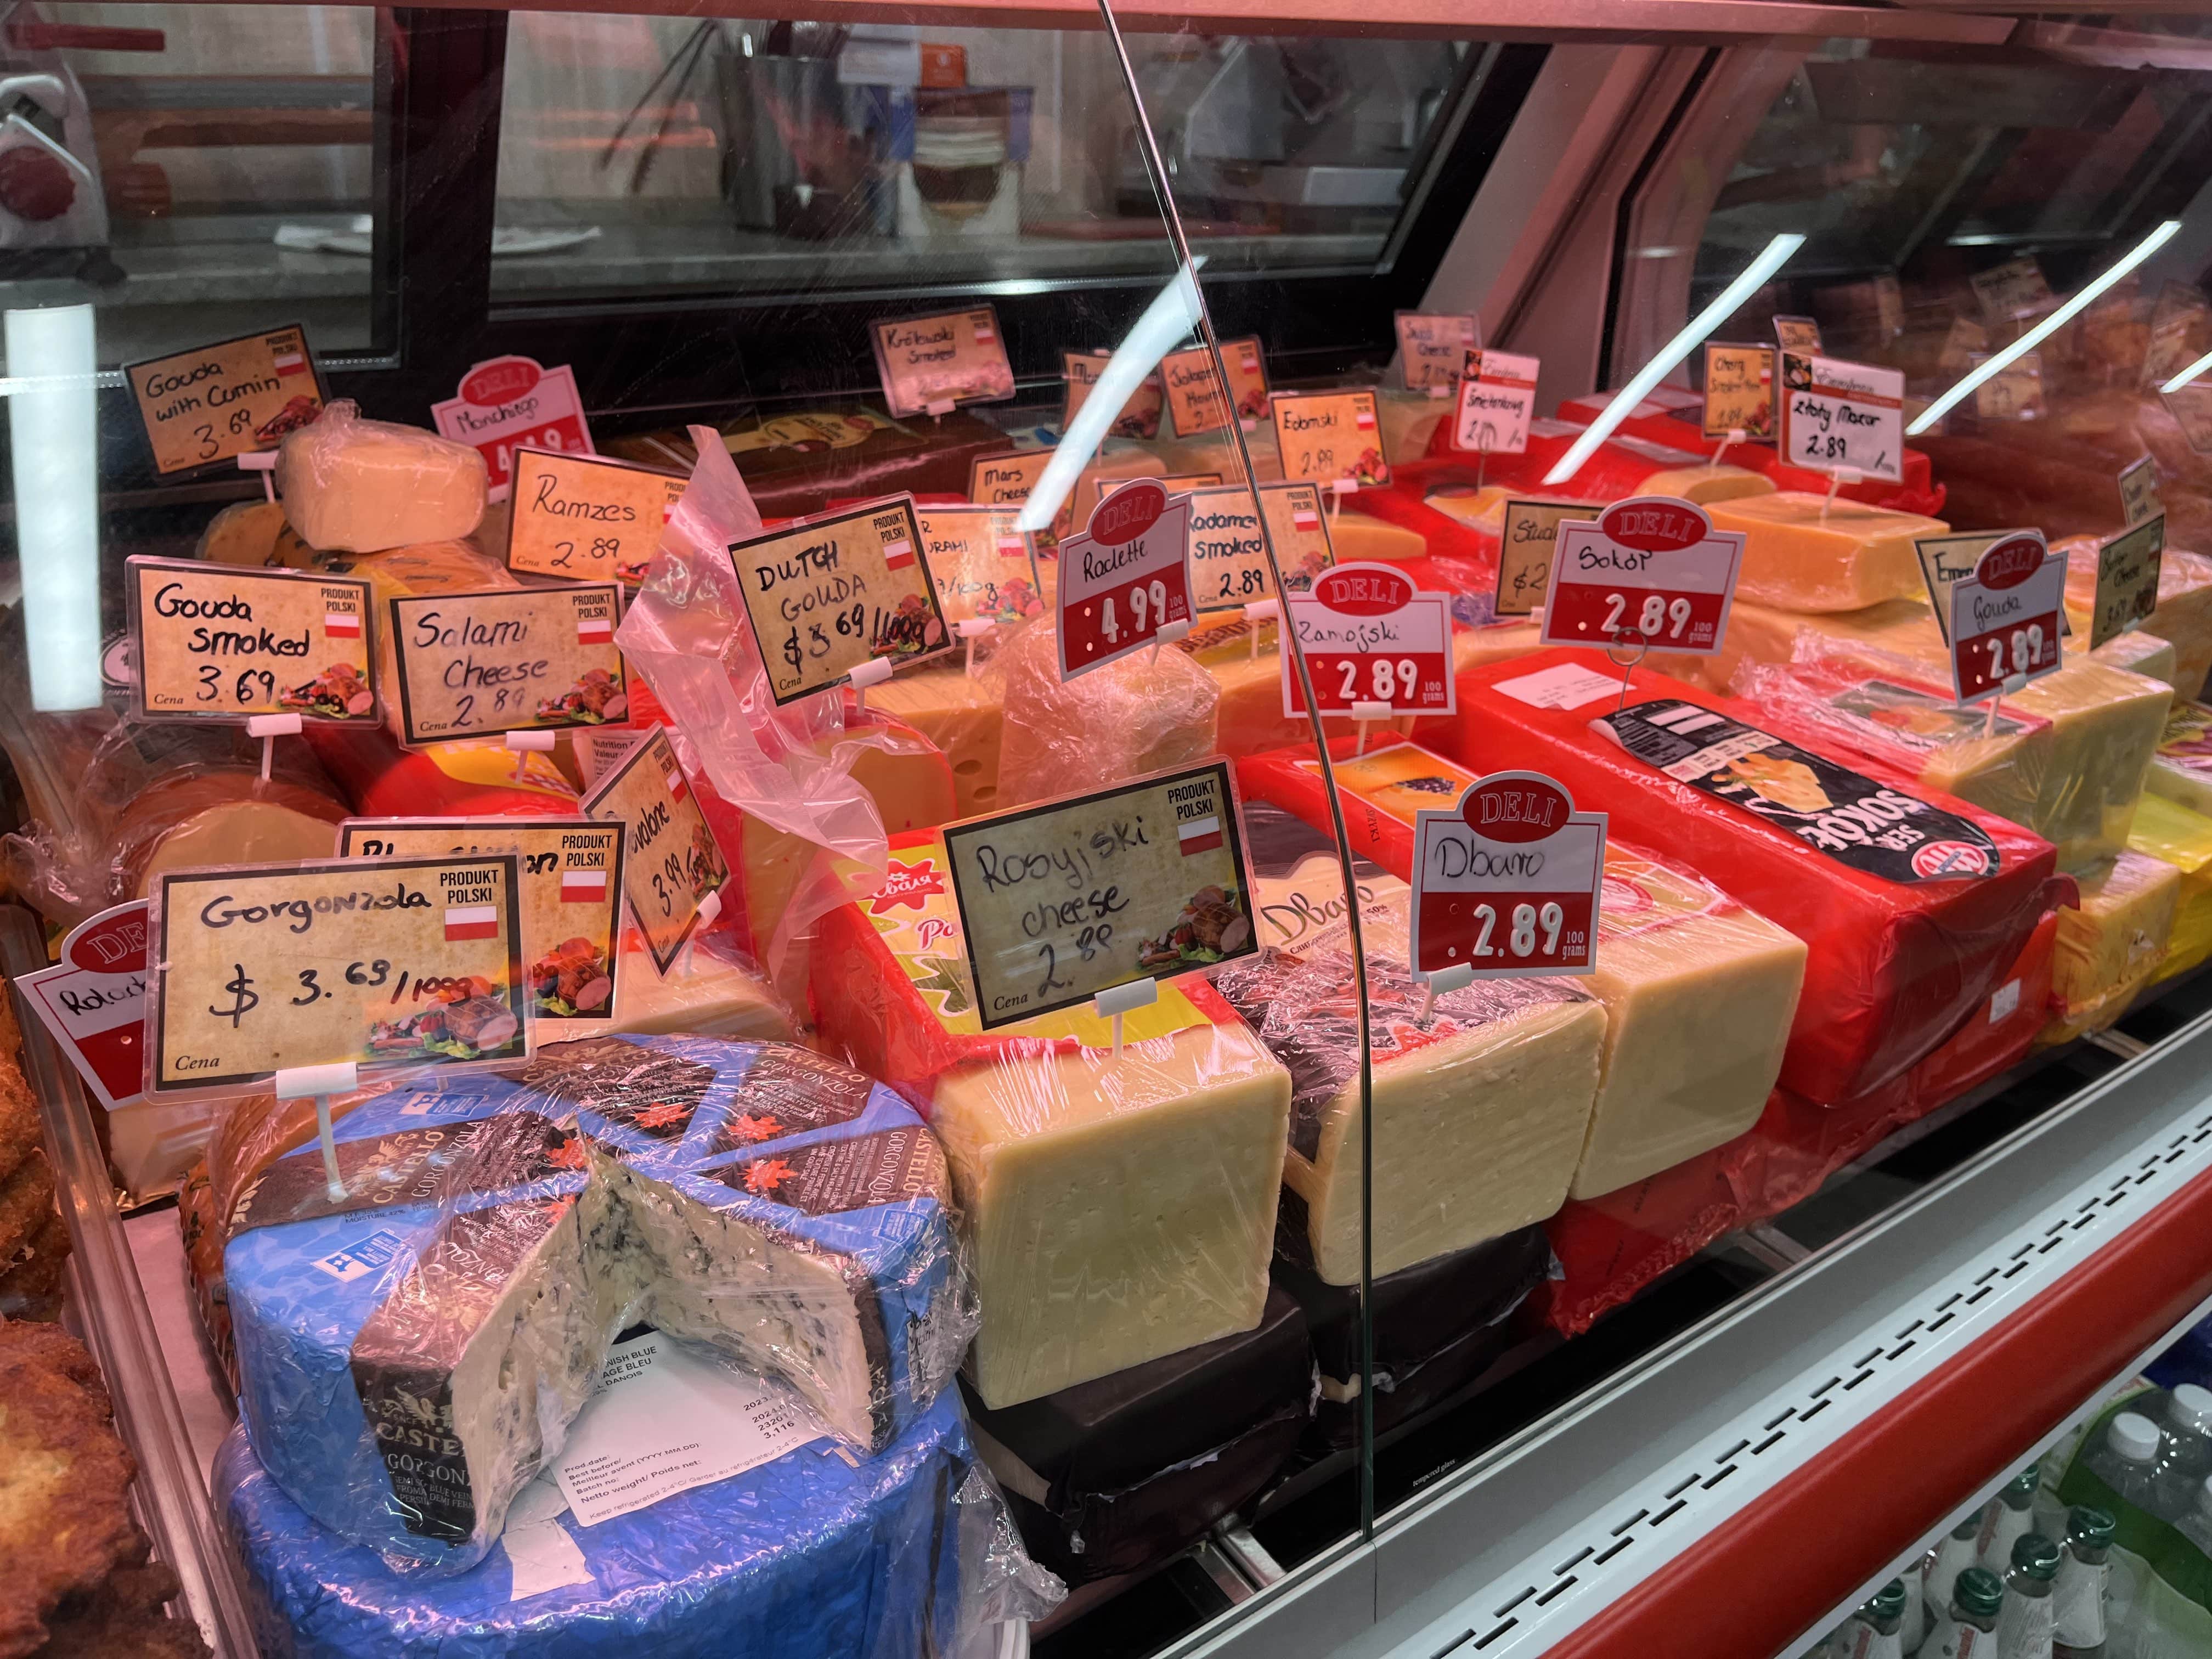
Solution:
(259, 968)
(1062, 900)
(215, 643)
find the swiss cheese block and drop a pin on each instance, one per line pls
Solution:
(1802, 552)
(2112, 942)
(1911, 903)
(964, 715)
(1112, 1211)
(1698, 991)
(1152, 710)
(354, 486)
(2182, 768)
(2173, 834)
(2183, 615)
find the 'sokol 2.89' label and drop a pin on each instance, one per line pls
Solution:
(1870, 827)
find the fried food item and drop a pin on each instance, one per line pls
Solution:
(124, 1619)
(19, 1111)
(31, 1280)
(64, 1481)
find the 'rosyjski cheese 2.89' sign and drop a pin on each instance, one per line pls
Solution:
(1368, 637)
(2005, 617)
(1506, 883)
(1125, 578)
(1650, 570)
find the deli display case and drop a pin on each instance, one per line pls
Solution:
(962, 830)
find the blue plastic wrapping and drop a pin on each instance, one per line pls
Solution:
(898, 1555)
(411, 1353)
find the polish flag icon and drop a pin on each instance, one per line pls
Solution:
(468, 921)
(595, 630)
(291, 362)
(1364, 419)
(984, 331)
(583, 886)
(674, 775)
(1013, 547)
(897, 553)
(1198, 836)
(1304, 518)
(341, 625)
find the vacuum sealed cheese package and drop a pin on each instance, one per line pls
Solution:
(410, 1352)
(1911, 903)
(352, 485)
(1700, 991)
(1149, 712)
(1113, 1208)
(2111, 941)
(2180, 837)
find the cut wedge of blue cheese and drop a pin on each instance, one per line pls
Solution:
(409, 1353)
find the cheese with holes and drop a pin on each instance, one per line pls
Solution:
(1112, 1210)
(1698, 991)
(351, 485)
(1912, 903)
(409, 1351)
(964, 715)
(2111, 944)
(2183, 615)
(2173, 834)
(1152, 710)
(1802, 552)
(1481, 1104)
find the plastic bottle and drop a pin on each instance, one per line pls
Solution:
(1912, 1624)
(1967, 1628)
(2196, 1525)
(1951, 1555)
(2006, 1520)
(2077, 1598)
(2126, 1458)
(1873, 1628)
(2187, 1457)
(2024, 1621)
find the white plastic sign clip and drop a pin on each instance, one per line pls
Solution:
(268, 728)
(319, 1083)
(263, 461)
(1116, 1000)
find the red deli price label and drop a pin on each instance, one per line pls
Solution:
(1369, 638)
(2005, 618)
(1650, 570)
(1506, 883)
(1125, 577)
(94, 1002)
(514, 402)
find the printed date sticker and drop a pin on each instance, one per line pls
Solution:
(1125, 578)
(1061, 901)
(94, 1002)
(1506, 883)
(1650, 570)
(2005, 618)
(1369, 638)
(263, 967)
(510, 403)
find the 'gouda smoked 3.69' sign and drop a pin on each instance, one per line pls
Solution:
(508, 659)
(264, 968)
(214, 642)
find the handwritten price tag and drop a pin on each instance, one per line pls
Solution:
(1330, 437)
(94, 1002)
(1432, 349)
(229, 399)
(1194, 390)
(510, 403)
(2139, 490)
(1528, 538)
(1844, 414)
(931, 363)
(1369, 638)
(1228, 563)
(1140, 417)
(508, 659)
(1125, 578)
(1506, 883)
(670, 861)
(214, 642)
(1061, 901)
(1497, 401)
(1739, 390)
(1651, 569)
(587, 519)
(2005, 618)
(2127, 580)
(263, 967)
(981, 565)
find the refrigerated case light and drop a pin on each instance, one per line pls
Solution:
(1992, 366)
(53, 437)
(2189, 374)
(1771, 259)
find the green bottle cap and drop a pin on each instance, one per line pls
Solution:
(2036, 1556)
(1888, 1601)
(2091, 1527)
(2020, 1491)
(1979, 1593)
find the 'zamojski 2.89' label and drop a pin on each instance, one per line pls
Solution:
(215, 643)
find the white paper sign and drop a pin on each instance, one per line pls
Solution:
(1497, 401)
(663, 1420)
(1844, 414)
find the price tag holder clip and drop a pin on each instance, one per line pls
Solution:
(874, 671)
(1837, 479)
(522, 745)
(1258, 611)
(319, 1083)
(268, 728)
(263, 461)
(1116, 1000)
(1442, 983)
(1365, 714)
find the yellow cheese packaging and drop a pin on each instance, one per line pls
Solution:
(2173, 834)
(2110, 945)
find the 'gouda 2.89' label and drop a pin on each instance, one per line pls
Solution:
(263, 967)
(230, 398)
(587, 519)
(508, 659)
(216, 643)
(670, 862)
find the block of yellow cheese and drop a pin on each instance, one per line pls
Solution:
(1409, 420)
(2110, 945)
(705, 992)
(964, 715)
(1708, 483)
(2106, 725)
(2183, 615)
(2171, 833)
(1150, 711)
(2136, 651)
(354, 486)
(1802, 552)
(1354, 536)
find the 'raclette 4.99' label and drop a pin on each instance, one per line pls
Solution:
(1866, 826)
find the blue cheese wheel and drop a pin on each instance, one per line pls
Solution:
(405, 1352)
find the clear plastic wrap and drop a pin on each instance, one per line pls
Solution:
(2111, 942)
(1113, 1208)
(408, 1355)
(908, 1550)
(1854, 859)
(1700, 991)
(2183, 616)
(1152, 711)
(2175, 835)
(351, 485)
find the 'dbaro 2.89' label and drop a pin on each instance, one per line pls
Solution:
(1863, 824)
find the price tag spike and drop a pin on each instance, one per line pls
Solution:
(321, 1082)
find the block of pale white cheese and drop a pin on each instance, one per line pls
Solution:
(2112, 942)
(408, 1351)
(352, 485)
(1803, 552)
(1114, 1210)
(1152, 710)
